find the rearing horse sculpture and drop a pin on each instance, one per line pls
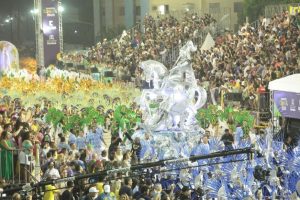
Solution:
(176, 97)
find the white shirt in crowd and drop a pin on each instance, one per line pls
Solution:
(53, 173)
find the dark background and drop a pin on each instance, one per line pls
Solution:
(77, 26)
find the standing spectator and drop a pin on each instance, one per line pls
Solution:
(143, 193)
(72, 137)
(239, 134)
(107, 194)
(126, 188)
(94, 137)
(228, 140)
(26, 157)
(202, 148)
(73, 150)
(81, 141)
(67, 194)
(63, 144)
(157, 191)
(52, 171)
(185, 194)
(136, 150)
(6, 156)
(16, 196)
(50, 191)
(92, 195)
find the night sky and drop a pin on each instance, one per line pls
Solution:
(20, 30)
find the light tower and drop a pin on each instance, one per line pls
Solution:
(47, 15)
(60, 9)
(37, 15)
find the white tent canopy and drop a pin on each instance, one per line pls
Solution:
(288, 84)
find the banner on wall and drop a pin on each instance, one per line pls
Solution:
(50, 24)
(287, 103)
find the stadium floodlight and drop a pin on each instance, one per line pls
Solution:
(9, 19)
(34, 11)
(61, 9)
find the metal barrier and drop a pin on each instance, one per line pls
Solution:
(131, 32)
(271, 10)
(172, 53)
(255, 24)
(109, 174)
(170, 56)
(21, 171)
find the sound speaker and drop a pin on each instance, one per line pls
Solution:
(108, 74)
(234, 97)
(94, 70)
(69, 65)
(293, 127)
(81, 67)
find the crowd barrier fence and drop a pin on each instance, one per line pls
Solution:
(22, 166)
(271, 10)
(94, 177)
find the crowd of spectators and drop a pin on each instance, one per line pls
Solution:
(25, 136)
(160, 36)
(239, 63)
(244, 62)
(247, 61)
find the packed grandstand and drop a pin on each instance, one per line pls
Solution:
(81, 135)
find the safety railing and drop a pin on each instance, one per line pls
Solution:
(170, 55)
(16, 166)
(131, 32)
(179, 14)
(255, 24)
(272, 10)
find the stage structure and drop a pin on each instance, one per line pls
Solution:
(285, 99)
(48, 30)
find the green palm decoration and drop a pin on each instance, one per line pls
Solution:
(125, 118)
(54, 116)
(73, 121)
(245, 119)
(208, 116)
(212, 114)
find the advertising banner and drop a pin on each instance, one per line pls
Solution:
(50, 28)
(288, 103)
